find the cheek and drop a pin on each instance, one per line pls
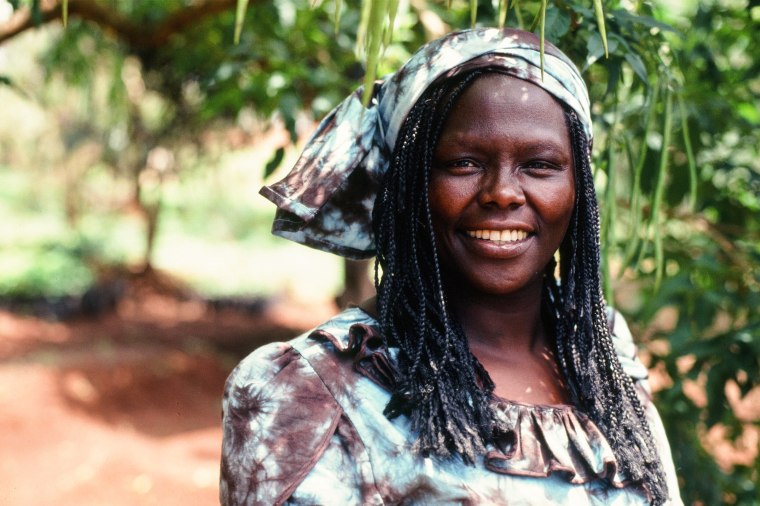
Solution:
(448, 198)
(558, 206)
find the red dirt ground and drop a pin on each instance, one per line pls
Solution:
(125, 409)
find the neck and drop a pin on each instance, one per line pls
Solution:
(507, 322)
(508, 337)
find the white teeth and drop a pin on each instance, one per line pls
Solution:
(499, 235)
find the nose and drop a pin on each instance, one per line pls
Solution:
(501, 188)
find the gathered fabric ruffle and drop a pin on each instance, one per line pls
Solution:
(366, 347)
(540, 440)
(530, 440)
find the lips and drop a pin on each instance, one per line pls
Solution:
(500, 236)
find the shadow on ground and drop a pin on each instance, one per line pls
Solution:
(123, 406)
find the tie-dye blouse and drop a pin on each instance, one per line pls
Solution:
(304, 424)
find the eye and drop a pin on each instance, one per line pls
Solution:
(541, 167)
(459, 166)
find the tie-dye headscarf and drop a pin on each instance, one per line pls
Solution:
(326, 201)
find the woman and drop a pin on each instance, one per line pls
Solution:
(477, 376)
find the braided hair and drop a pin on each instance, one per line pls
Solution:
(443, 388)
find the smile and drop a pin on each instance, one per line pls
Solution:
(498, 235)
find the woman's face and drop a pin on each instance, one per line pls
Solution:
(502, 186)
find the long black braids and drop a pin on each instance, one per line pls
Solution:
(443, 388)
(584, 347)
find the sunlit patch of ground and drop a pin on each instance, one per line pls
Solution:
(124, 409)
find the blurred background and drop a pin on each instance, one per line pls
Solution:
(137, 267)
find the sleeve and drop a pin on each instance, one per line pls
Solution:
(278, 420)
(632, 366)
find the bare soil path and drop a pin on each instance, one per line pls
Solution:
(124, 409)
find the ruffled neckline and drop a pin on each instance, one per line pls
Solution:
(535, 440)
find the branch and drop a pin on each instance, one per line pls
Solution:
(135, 34)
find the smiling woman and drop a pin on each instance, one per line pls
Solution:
(476, 376)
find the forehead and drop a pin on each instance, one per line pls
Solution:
(498, 101)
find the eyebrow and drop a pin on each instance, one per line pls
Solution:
(543, 145)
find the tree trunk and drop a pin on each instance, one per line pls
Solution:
(357, 285)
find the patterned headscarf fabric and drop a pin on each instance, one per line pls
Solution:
(326, 201)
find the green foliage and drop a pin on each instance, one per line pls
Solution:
(712, 247)
(37, 256)
(51, 269)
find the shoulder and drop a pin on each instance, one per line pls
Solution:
(278, 418)
(625, 348)
(281, 363)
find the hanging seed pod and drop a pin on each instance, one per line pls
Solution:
(659, 190)
(242, 6)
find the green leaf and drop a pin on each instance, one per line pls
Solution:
(623, 15)
(613, 76)
(7, 81)
(716, 396)
(637, 64)
(594, 50)
(557, 23)
(274, 162)
(36, 12)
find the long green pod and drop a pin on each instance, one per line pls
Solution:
(610, 204)
(689, 154)
(65, 12)
(503, 11)
(608, 230)
(659, 258)
(518, 14)
(599, 11)
(336, 17)
(242, 6)
(633, 238)
(542, 23)
(473, 12)
(659, 189)
(373, 45)
(636, 203)
(392, 11)
(361, 31)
